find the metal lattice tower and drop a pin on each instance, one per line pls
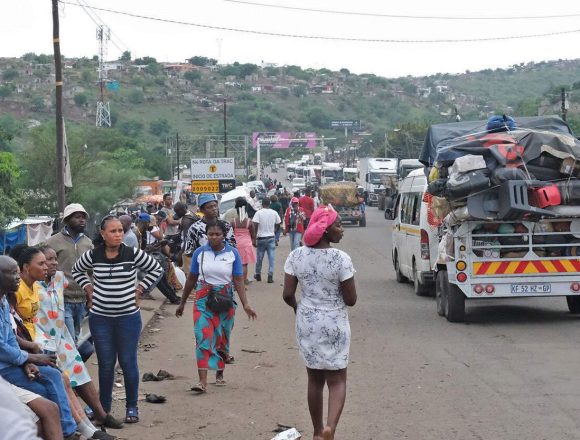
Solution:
(103, 118)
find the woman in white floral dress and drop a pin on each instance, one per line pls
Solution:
(326, 278)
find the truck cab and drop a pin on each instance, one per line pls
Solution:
(379, 171)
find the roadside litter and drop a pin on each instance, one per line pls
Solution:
(161, 375)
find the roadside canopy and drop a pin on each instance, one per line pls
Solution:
(30, 231)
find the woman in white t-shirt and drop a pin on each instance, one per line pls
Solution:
(326, 277)
(216, 268)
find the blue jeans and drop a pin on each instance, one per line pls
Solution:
(48, 385)
(295, 238)
(277, 234)
(117, 338)
(263, 246)
(74, 314)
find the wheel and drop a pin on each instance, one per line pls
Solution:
(573, 304)
(399, 276)
(455, 309)
(419, 288)
(441, 292)
(362, 222)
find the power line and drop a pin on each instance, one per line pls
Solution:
(112, 32)
(412, 17)
(329, 38)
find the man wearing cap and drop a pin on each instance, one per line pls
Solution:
(69, 244)
(196, 235)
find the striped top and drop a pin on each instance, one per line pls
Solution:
(114, 280)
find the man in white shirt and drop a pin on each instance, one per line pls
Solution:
(266, 221)
(255, 202)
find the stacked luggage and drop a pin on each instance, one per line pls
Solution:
(503, 170)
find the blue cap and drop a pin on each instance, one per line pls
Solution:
(144, 217)
(205, 198)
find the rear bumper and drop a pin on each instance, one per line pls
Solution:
(427, 277)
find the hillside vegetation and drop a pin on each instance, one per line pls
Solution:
(151, 101)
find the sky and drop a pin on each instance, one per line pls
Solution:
(26, 26)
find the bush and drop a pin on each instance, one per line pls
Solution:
(192, 75)
(10, 74)
(136, 96)
(81, 99)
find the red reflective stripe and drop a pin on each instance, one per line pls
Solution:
(502, 267)
(541, 268)
(483, 269)
(576, 264)
(521, 267)
(559, 266)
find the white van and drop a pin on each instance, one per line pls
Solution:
(414, 240)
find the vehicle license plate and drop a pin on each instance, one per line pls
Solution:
(534, 288)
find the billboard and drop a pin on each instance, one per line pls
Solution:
(284, 139)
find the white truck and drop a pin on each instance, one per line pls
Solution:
(331, 172)
(515, 238)
(379, 172)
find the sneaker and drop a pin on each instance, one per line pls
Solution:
(270, 279)
(258, 277)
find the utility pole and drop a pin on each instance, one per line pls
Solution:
(177, 151)
(225, 128)
(60, 192)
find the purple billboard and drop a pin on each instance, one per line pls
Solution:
(284, 139)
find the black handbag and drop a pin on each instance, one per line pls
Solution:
(219, 299)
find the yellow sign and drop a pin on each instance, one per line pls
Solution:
(213, 168)
(205, 186)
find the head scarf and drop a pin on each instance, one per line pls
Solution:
(322, 218)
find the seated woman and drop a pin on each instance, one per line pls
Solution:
(58, 342)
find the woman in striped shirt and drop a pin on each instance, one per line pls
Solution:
(113, 303)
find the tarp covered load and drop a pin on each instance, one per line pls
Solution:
(339, 194)
(446, 142)
(515, 169)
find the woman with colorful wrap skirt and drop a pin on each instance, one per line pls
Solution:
(216, 268)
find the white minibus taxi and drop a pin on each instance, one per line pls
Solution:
(414, 240)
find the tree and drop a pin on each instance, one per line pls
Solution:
(126, 56)
(10, 74)
(5, 139)
(5, 92)
(81, 99)
(202, 61)
(136, 96)
(159, 127)
(131, 128)
(318, 118)
(10, 193)
(145, 61)
(192, 75)
(37, 104)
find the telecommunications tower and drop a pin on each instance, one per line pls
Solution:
(103, 118)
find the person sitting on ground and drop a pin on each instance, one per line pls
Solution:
(32, 263)
(30, 371)
(216, 267)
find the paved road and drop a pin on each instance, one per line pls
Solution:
(509, 373)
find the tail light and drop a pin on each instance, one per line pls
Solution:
(425, 253)
(575, 287)
(478, 289)
(461, 277)
(489, 289)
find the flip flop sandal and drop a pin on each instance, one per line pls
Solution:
(220, 383)
(198, 388)
(132, 415)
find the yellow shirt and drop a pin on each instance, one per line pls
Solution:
(27, 303)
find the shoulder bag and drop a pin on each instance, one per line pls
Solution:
(219, 298)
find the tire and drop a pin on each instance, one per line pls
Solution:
(362, 222)
(455, 309)
(441, 292)
(573, 304)
(399, 276)
(419, 288)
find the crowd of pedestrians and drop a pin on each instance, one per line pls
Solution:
(47, 292)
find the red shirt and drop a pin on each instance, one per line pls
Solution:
(307, 204)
